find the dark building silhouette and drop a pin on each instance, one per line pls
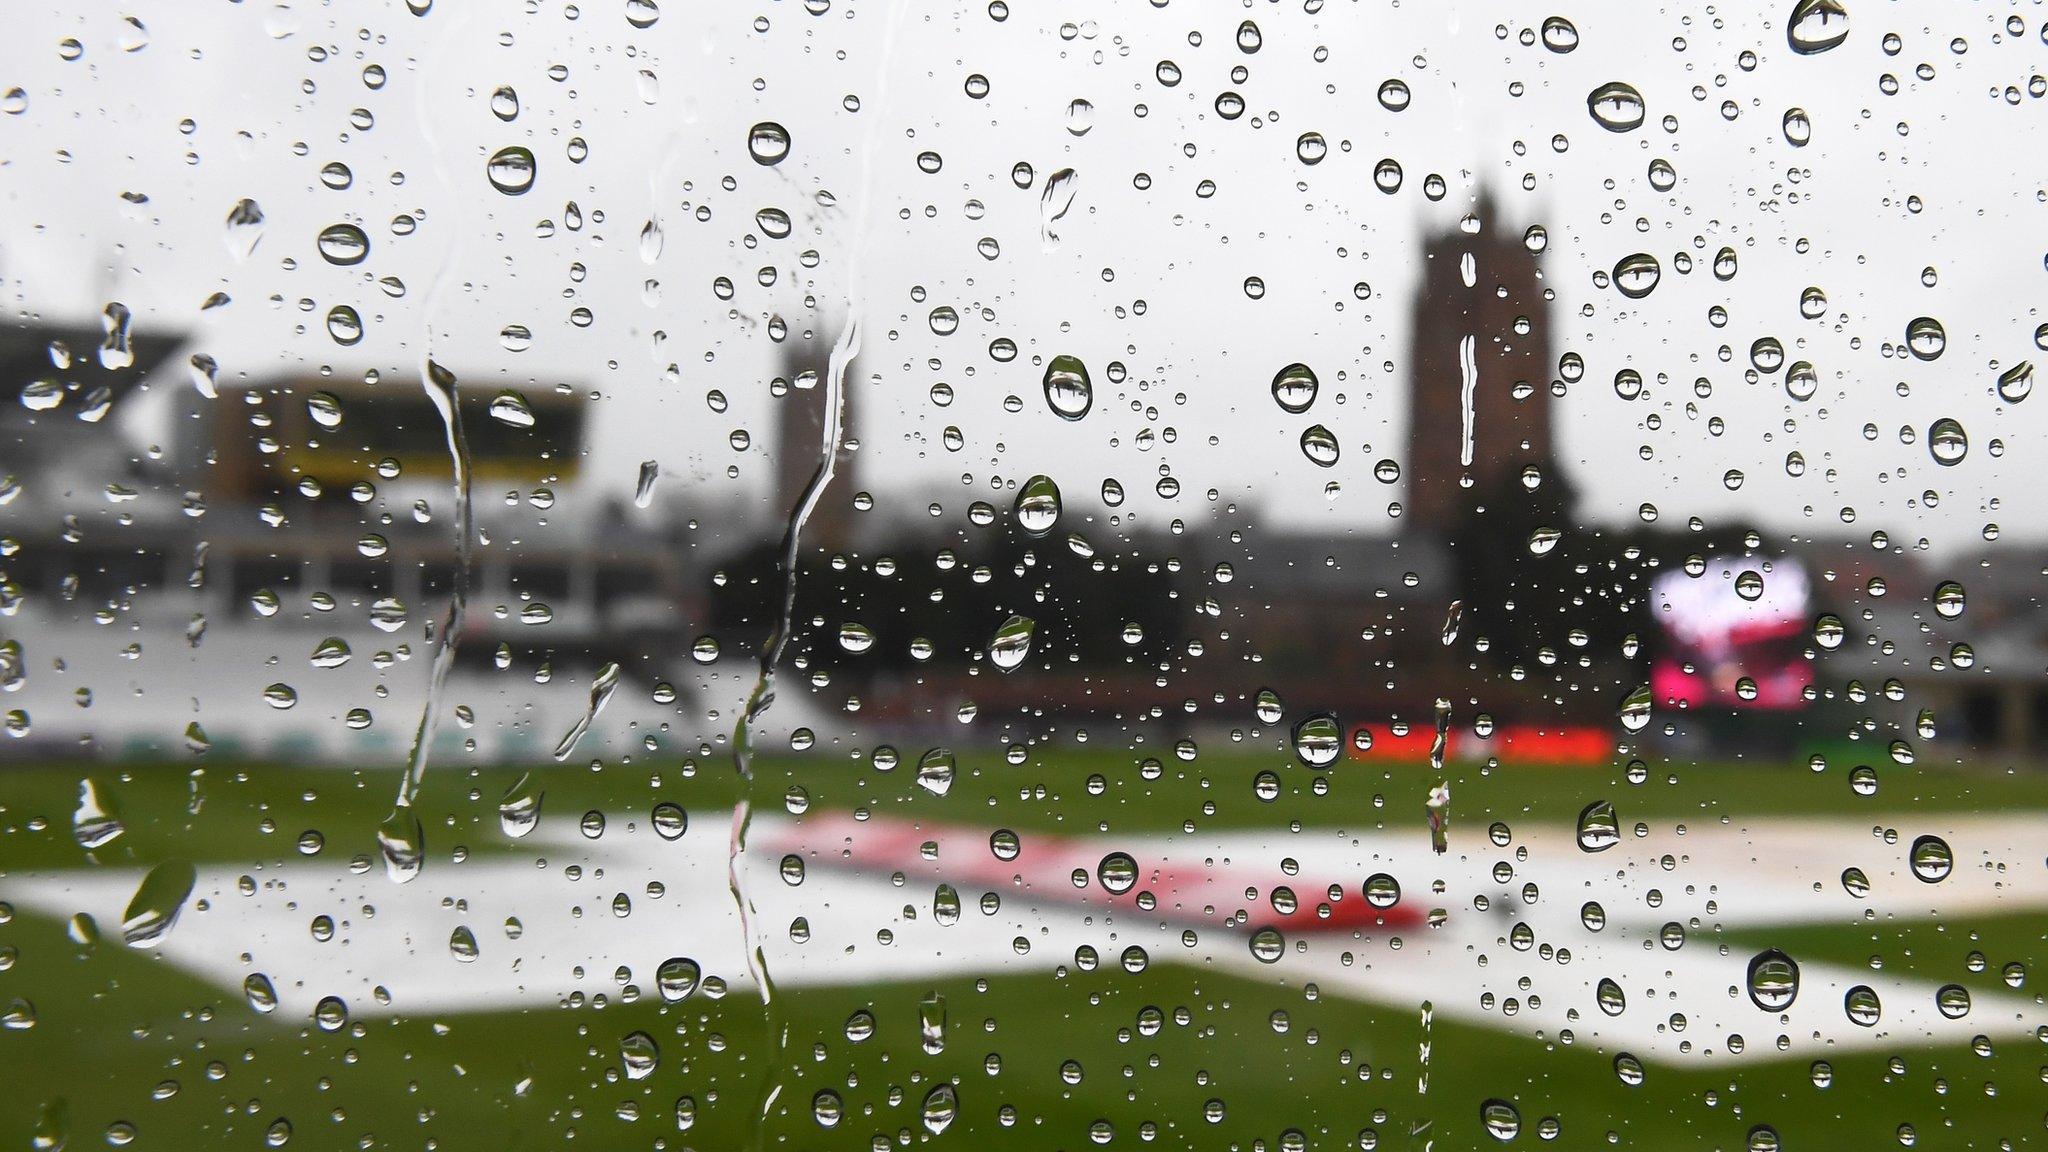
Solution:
(799, 434)
(1505, 293)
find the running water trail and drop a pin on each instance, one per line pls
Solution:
(844, 351)
(1468, 372)
(1438, 806)
(1420, 1127)
(401, 839)
(602, 686)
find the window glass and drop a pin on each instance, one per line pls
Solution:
(1281, 575)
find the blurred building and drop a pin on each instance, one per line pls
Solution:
(277, 515)
(1480, 370)
(281, 511)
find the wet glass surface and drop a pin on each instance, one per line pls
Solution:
(861, 575)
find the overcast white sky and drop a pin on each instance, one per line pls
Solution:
(1945, 174)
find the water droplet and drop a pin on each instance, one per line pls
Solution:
(1382, 891)
(260, 993)
(511, 408)
(1949, 599)
(1310, 148)
(1610, 997)
(1635, 709)
(941, 1105)
(343, 245)
(1816, 26)
(95, 822)
(1037, 508)
(1637, 275)
(1947, 442)
(1617, 107)
(1599, 827)
(1628, 1069)
(402, 843)
(1560, 35)
(244, 229)
(462, 945)
(935, 771)
(325, 409)
(1452, 616)
(1801, 381)
(1068, 390)
(1294, 388)
(1394, 95)
(1862, 1005)
(1501, 1120)
(1268, 945)
(332, 652)
(515, 337)
(512, 170)
(1749, 584)
(1080, 117)
(1773, 980)
(827, 1108)
(344, 325)
(768, 143)
(1926, 338)
(677, 977)
(2017, 382)
(153, 911)
(1318, 740)
(1117, 872)
(643, 487)
(639, 1055)
(855, 637)
(1855, 883)
(1012, 643)
(1798, 127)
(1828, 631)
(642, 13)
(1319, 444)
(1952, 1001)
(1266, 706)
(775, 224)
(330, 1014)
(1932, 859)
(1054, 202)
(519, 808)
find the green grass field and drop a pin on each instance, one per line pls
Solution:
(257, 810)
(1046, 1060)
